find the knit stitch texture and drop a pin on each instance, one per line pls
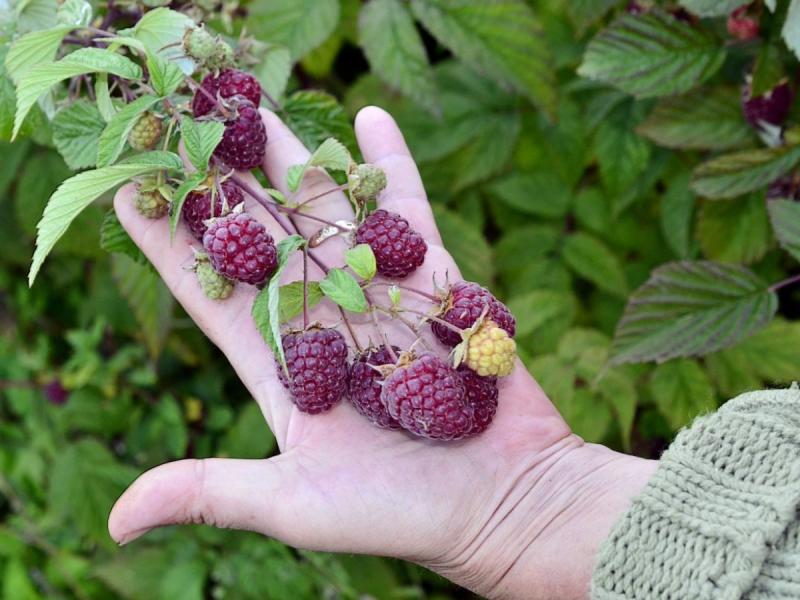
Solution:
(719, 519)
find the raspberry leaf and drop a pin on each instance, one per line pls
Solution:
(291, 301)
(682, 390)
(653, 54)
(200, 139)
(274, 70)
(593, 260)
(189, 184)
(75, 13)
(344, 290)
(712, 8)
(791, 27)
(691, 308)
(300, 25)
(165, 75)
(735, 174)
(103, 95)
(785, 218)
(734, 231)
(331, 154)
(160, 31)
(114, 238)
(314, 116)
(35, 48)
(112, 140)
(361, 260)
(75, 131)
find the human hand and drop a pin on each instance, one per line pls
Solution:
(518, 511)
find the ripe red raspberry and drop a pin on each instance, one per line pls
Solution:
(245, 139)
(197, 206)
(398, 249)
(428, 398)
(772, 107)
(481, 396)
(366, 384)
(316, 360)
(230, 83)
(240, 248)
(464, 305)
(742, 26)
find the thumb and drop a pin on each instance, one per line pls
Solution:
(220, 492)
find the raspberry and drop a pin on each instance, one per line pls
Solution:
(490, 351)
(464, 305)
(365, 181)
(366, 384)
(741, 26)
(146, 132)
(398, 249)
(772, 107)
(230, 83)
(56, 393)
(481, 396)
(197, 206)
(240, 248)
(245, 139)
(150, 203)
(207, 49)
(428, 398)
(316, 360)
(214, 285)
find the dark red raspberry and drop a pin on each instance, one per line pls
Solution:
(398, 249)
(772, 107)
(428, 398)
(481, 396)
(230, 83)
(366, 384)
(245, 139)
(317, 363)
(464, 305)
(197, 206)
(742, 26)
(240, 248)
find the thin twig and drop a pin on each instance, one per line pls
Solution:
(785, 283)
(430, 297)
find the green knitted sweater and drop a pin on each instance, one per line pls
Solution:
(721, 517)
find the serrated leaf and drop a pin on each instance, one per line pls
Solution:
(300, 25)
(691, 308)
(35, 48)
(735, 174)
(148, 298)
(706, 120)
(343, 289)
(179, 197)
(37, 80)
(395, 51)
(75, 131)
(652, 54)
(200, 138)
(734, 231)
(768, 69)
(791, 27)
(534, 309)
(274, 70)
(266, 306)
(712, 8)
(539, 193)
(161, 31)
(785, 218)
(618, 389)
(331, 154)
(591, 259)
(315, 116)
(677, 208)
(103, 95)
(469, 247)
(165, 75)
(35, 15)
(114, 238)
(585, 13)
(114, 137)
(78, 192)
(682, 391)
(502, 39)
(772, 354)
(361, 260)
(622, 155)
(75, 13)
(294, 177)
(291, 299)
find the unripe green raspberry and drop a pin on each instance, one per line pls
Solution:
(150, 203)
(207, 49)
(365, 181)
(146, 132)
(214, 285)
(490, 351)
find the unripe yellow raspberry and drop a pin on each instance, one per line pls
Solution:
(490, 351)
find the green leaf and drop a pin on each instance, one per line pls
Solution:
(300, 25)
(249, 437)
(768, 69)
(331, 154)
(706, 120)
(179, 197)
(274, 70)
(266, 306)
(34, 15)
(785, 218)
(115, 135)
(621, 154)
(501, 39)
(395, 51)
(291, 303)
(691, 308)
(343, 289)
(78, 192)
(103, 94)
(75, 131)
(653, 54)
(75, 13)
(591, 259)
(534, 309)
(35, 48)
(16, 582)
(361, 260)
(677, 207)
(585, 13)
(618, 389)
(148, 298)
(165, 75)
(741, 172)
(200, 138)
(682, 391)
(161, 31)
(37, 80)
(467, 244)
(734, 231)
(540, 193)
(315, 116)
(791, 27)
(114, 238)
(712, 8)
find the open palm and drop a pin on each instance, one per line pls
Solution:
(516, 511)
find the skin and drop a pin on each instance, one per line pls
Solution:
(518, 511)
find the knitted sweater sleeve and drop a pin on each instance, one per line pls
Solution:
(720, 518)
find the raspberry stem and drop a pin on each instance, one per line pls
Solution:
(305, 286)
(428, 317)
(339, 188)
(270, 99)
(430, 297)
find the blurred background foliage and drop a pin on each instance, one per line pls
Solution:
(543, 189)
